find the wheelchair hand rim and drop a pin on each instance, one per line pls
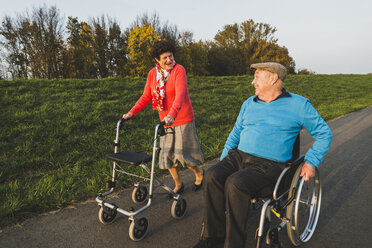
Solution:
(314, 211)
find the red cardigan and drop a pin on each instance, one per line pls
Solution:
(177, 100)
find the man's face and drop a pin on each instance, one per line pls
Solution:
(166, 60)
(261, 81)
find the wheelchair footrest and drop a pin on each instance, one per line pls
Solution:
(129, 157)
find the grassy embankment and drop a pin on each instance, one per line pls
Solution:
(55, 135)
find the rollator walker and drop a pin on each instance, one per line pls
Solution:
(107, 211)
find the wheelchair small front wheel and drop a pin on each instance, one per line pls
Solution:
(138, 229)
(303, 211)
(106, 215)
(178, 209)
(139, 194)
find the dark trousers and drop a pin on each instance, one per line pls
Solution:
(229, 187)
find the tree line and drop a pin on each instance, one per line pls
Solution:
(41, 45)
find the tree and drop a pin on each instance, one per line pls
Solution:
(165, 31)
(236, 47)
(80, 46)
(227, 51)
(219, 61)
(67, 68)
(3, 74)
(184, 53)
(199, 58)
(305, 71)
(45, 48)
(33, 43)
(109, 48)
(33, 47)
(117, 47)
(16, 56)
(258, 40)
(191, 55)
(100, 46)
(140, 42)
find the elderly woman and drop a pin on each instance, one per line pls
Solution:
(166, 88)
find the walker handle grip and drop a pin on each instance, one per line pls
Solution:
(121, 121)
(161, 130)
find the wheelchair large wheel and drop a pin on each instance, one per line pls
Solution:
(138, 228)
(106, 215)
(303, 211)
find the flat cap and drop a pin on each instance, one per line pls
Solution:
(272, 67)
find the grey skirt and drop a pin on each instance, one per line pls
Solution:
(180, 144)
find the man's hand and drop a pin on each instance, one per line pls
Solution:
(127, 116)
(168, 120)
(307, 171)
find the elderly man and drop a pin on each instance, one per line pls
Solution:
(255, 153)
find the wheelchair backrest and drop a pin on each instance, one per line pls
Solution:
(294, 162)
(296, 148)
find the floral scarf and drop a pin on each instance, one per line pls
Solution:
(158, 98)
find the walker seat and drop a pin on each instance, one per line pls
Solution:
(130, 157)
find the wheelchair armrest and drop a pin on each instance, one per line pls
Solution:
(297, 161)
(289, 165)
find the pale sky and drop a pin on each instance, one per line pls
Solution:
(325, 36)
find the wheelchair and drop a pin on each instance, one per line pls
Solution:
(107, 210)
(294, 202)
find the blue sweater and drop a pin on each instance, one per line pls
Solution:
(269, 130)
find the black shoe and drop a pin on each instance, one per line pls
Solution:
(205, 243)
(210, 243)
(178, 192)
(197, 187)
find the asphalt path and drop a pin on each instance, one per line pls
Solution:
(345, 218)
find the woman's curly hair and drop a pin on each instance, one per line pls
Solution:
(161, 47)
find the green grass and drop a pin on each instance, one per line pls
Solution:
(55, 134)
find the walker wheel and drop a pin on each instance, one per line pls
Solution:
(106, 215)
(139, 194)
(178, 209)
(138, 228)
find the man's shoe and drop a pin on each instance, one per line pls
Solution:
(204, 243)
(210, 243)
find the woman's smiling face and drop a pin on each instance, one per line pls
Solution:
(166, 60)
